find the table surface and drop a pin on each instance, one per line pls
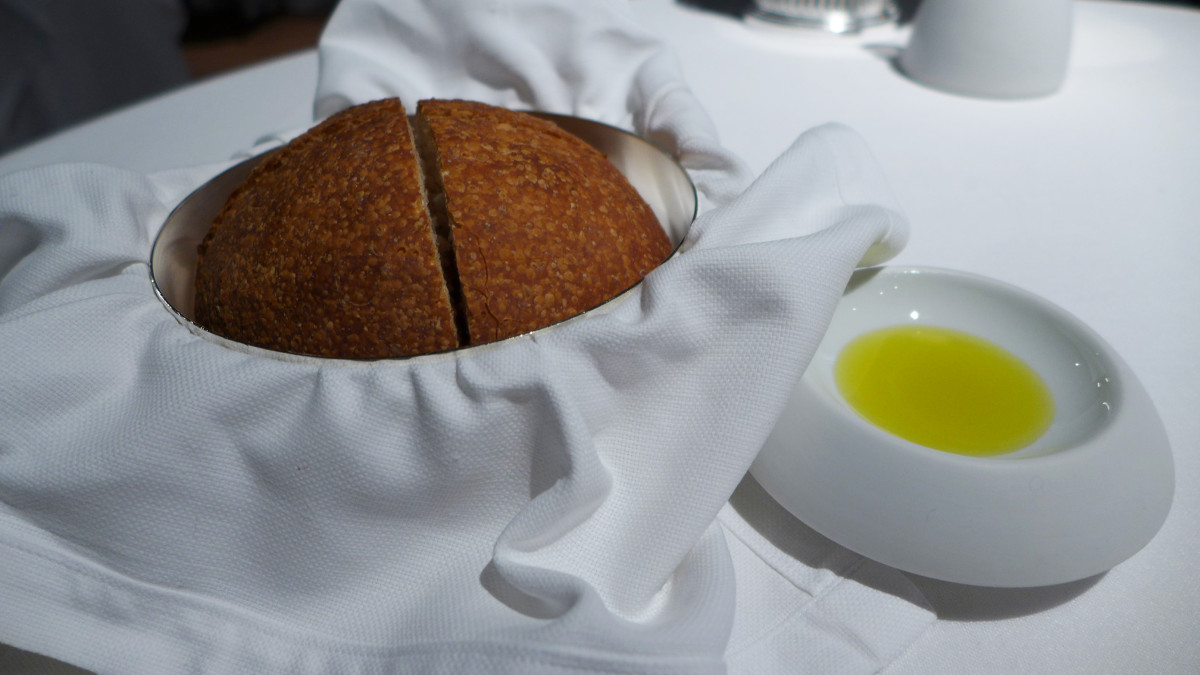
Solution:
(1087, 197)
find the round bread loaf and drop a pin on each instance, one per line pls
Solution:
(354, 241)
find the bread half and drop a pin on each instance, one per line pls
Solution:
(327, 248)
(543, 225)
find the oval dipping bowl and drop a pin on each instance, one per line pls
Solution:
(658, 178)
(1090, 492)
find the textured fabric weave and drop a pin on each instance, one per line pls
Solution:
(554, 503)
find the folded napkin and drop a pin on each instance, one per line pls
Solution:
(567, 501)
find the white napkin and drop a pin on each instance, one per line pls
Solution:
(559, 502)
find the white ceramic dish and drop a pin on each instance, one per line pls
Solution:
(1089, 493)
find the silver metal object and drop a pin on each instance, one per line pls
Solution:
(660, 180)
(834, 16)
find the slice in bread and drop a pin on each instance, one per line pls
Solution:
(354, 242)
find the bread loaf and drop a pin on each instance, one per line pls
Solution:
(360, 239)
(543, 226)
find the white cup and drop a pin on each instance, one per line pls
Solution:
(990, 48)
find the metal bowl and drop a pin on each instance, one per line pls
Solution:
(660, 180)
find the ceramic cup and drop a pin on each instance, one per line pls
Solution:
(990, 48)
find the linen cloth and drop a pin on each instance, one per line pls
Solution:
(571, 500)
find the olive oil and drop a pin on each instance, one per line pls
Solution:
(944, 389)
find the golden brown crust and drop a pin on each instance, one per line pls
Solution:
(331, 246)
(326, 248)
(544, 226)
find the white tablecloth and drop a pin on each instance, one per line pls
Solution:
(1087, 197)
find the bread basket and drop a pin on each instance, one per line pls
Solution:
(660, 180)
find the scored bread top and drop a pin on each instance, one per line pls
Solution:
(357, 240)
(543, 225)
(327, 248)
